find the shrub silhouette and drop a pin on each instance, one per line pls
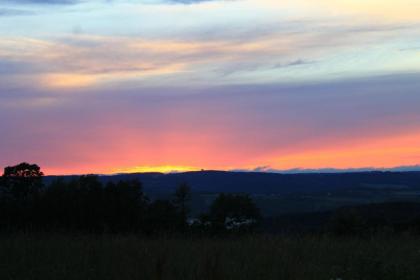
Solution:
(347, 222)
(235, 209)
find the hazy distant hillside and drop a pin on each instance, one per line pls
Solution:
(278, 194)
(271, 183)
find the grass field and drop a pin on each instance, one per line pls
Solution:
(62, 257)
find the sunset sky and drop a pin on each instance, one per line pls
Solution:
(104, 86)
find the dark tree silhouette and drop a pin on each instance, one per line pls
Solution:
(162, 216)
(125, 205)
(22, 180)
(181, 200)
(85, 204)
(61, 204)
(20, 195)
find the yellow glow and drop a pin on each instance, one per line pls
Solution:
(403, 10)
(391, 9)
(161, 169)
(68, 80)
(85, 80)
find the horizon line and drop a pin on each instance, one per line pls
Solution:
(268, 170)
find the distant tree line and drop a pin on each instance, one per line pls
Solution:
(86, 204)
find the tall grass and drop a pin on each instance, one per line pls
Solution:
(72, 257)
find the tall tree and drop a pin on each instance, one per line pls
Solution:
(20, 195)
(181, 200)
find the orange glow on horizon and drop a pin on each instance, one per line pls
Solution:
(388, 152)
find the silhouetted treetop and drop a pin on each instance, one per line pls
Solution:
(23, 170)
(22, 180)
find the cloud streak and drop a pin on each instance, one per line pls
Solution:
(85, 60)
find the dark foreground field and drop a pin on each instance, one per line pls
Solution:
(258, 257)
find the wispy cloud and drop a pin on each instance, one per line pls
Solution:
(275, 56)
